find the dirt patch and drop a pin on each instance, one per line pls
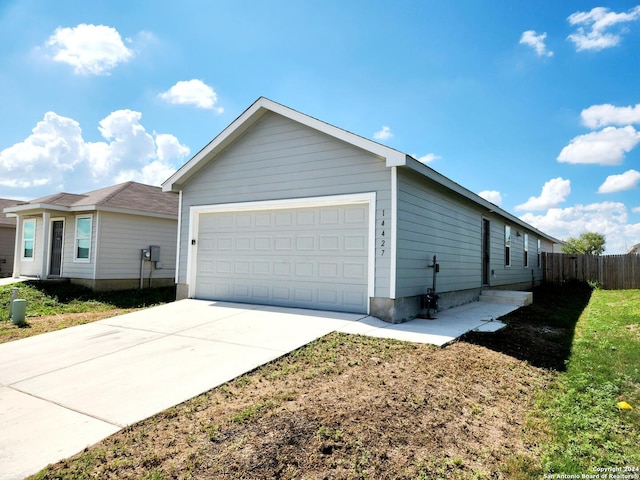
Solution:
(343, 407)
(352, 407)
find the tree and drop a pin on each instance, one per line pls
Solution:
(588, 243)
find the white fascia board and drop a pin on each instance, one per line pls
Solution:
(252, 115)
(392, 157)
(478, 200)
(232, 131)
(36, 208)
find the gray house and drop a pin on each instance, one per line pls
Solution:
(7, 238)
(97, 238)
(283, 209)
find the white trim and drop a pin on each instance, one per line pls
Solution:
(44, 265)
(17, 247)
(50, 242)
(75, 240)
(253, 114)
(286, 203)
(303, 202)
(394, 232)
(34, 240)
(97, 245)
(178, 237)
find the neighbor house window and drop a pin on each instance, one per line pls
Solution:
(28, 239)
(539, 254)
(507, 245)
(83, 238)
(526, 250)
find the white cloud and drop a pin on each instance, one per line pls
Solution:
(607, 218)
(554, 191)
(598, 22)
(428, 158)
(383, 134)
(192, 92)
(90, 49)
(492, 196)
(606, 147)
(56, 155)
(55, 146)
(168, 147)
(635, 209)
(617, 183)
(535, 41)
(598, 116)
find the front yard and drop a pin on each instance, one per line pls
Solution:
(537, 398)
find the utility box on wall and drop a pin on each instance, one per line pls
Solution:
(155, 253)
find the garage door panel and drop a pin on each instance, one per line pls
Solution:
(311, 257)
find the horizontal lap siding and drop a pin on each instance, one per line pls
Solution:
(122, 237)
(433, 222)
(70, 267)
(7, 247)
(281, 159)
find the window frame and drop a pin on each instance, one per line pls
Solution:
(539, 247)
(526, 250)
(77, 238)
(25, 239)
(507, 245)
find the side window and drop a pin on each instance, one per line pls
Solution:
(539, 254)
(507, 246)
(28, 239)
(83, 239)
(526, 250)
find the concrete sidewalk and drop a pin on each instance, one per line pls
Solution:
(63, 391)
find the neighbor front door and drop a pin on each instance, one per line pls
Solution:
(57, 230)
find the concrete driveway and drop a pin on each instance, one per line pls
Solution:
(63, 391)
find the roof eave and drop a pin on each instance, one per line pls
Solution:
(429, 172)
(250, 116)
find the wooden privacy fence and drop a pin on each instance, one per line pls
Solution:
(611, 272)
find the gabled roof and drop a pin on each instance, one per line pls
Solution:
(128, 197)
(6, 221)
(250, 116)
(392, 157)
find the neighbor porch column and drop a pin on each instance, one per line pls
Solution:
(46, 220)
(17, 252)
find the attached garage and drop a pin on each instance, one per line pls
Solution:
(283, 209)
(308, 253)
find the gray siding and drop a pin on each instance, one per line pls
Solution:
(434, 221)
(279, 159)
(121, 239)
(31, 267)
(7, 247)
(72, 268)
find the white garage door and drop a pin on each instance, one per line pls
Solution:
(310, 257)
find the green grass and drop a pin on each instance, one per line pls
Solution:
(49, 298)
(586, 428)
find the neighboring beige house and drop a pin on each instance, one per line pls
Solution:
(7, 238)
(284, 209)
(123, 236)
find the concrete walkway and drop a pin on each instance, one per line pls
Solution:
(63, 391)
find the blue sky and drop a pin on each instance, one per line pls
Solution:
(533, 105)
